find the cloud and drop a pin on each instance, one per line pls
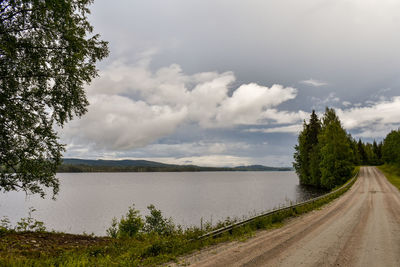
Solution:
(119, 123)
(284, 117)
(368, 120)
(252, 103)
(321, 103)
(315, 83)
(193, 148)
(374, 120)
(210, 160)
(132, 106)
(294, 129)
(346, 103)
(252, 94)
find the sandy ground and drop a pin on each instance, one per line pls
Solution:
(361, 228)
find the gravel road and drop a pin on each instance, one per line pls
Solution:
(361, 228)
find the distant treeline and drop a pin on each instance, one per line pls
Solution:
(80, 165)
(326, 154)
(88, 168)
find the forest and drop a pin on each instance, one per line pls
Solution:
(326, 153)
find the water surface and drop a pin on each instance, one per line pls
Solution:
(87, 202)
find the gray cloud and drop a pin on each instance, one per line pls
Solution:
(313, 82)
(295, 129)
(374, 120)
(236, 77)
(132, 106)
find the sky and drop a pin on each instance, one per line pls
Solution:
(229, 82)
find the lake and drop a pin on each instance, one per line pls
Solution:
(87, 202)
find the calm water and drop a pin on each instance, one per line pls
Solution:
(87, 202)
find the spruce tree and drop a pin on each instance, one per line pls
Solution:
(307, 152)
(300, 163)
(362, 153)
(354, 148)
(314, 150)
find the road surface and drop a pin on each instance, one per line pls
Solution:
(361, 228)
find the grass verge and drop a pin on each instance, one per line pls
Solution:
(392, 173)
(143, 249)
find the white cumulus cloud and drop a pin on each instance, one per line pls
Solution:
(252, 103)
(374, 120)
(132, 106)
(117, 122)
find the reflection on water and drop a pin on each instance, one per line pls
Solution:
(87, 202)
(304, 192)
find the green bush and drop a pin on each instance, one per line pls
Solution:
(113, 230)
(155, 222)
(27, 224)
(30, 224)
(130, 225)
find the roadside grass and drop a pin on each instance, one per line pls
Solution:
(392, 173)
(146, 247)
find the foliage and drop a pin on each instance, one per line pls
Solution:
(47, 55)
(368, 154)
(307, 152)
(323, 156)
(112, 231)
(328, 160)
(155, 222)
(30, 224)
(130, 224)
(336, 156)
(391, 148)
(5, 225)
(27, 224)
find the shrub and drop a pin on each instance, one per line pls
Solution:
(129, 225)
(155, 222)
(30, 224)
(113, 230)
(5, 225)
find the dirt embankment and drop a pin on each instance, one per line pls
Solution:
(362, 228)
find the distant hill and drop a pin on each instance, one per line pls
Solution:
(262, 168)
(88, 165)
(120, 163)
